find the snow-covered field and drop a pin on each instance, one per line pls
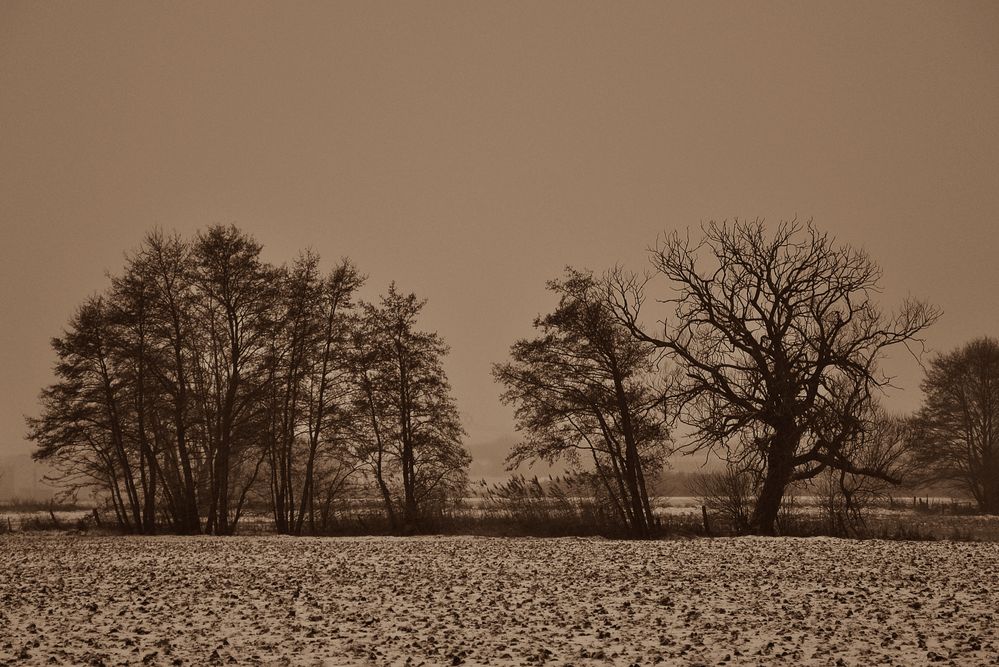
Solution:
(337, 601)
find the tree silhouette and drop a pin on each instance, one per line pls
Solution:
(585, 385)
(411, 433)
(776, 341)
(956, 434)
(206, 379)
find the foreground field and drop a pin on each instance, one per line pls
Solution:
(248, 600)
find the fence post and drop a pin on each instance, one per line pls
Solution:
(704, 518)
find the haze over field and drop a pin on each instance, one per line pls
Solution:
(469, 152)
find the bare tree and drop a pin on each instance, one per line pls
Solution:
(777, 342)
(287, 361)
(329, 391)
(310, 389)
(135, 343)
(129, 309)
(163, 265)
(373, 429)
(729, 493)
(882, 443)
(957, 427)
(236, 296)
(409, 429)
(82, 427)
(585, 385)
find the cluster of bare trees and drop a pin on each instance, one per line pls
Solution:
(205, 378)
(769, 346)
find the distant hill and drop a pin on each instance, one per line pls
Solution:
(21, 477)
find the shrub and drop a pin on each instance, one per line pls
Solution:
(727, 494)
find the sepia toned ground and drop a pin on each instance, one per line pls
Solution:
(68, 599)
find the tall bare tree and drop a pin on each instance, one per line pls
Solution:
(236, 299)
(777, 341)
(330, 391)
(310, 392)
(82, 427)
(410, 420)
(129, 309)
(957, 428)
(163, 266)
(287, 359)
(585, 385)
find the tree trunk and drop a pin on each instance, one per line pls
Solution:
(223, 457)
(387, 497)
(633, 468)
(307, 487)
(780, 465)
(410, 508)
(191, 521)
(118, 441)
(147, 457)
(611, 495)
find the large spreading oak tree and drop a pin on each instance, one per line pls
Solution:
(776, 341)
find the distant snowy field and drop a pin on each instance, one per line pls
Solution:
(499, 601)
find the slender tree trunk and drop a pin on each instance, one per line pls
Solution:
(116, 501)
(223, 457)
(146, 454)
(650, 519)
(316, 429)
(288, 415)
(387, 499)
(614, 499)
(278, 461)
(192, 522)
(172, 509)
(276, 480)
(411, 511)
(307, 488)
(632, 461)
(118, 442)
(617, 464)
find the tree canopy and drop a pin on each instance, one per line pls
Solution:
(776, 340)
(586, 391)
(956, 435)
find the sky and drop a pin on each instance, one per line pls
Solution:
(470, 151)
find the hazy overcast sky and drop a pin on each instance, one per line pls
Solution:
(470, 150)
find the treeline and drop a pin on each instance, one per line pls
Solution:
(205, 379)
